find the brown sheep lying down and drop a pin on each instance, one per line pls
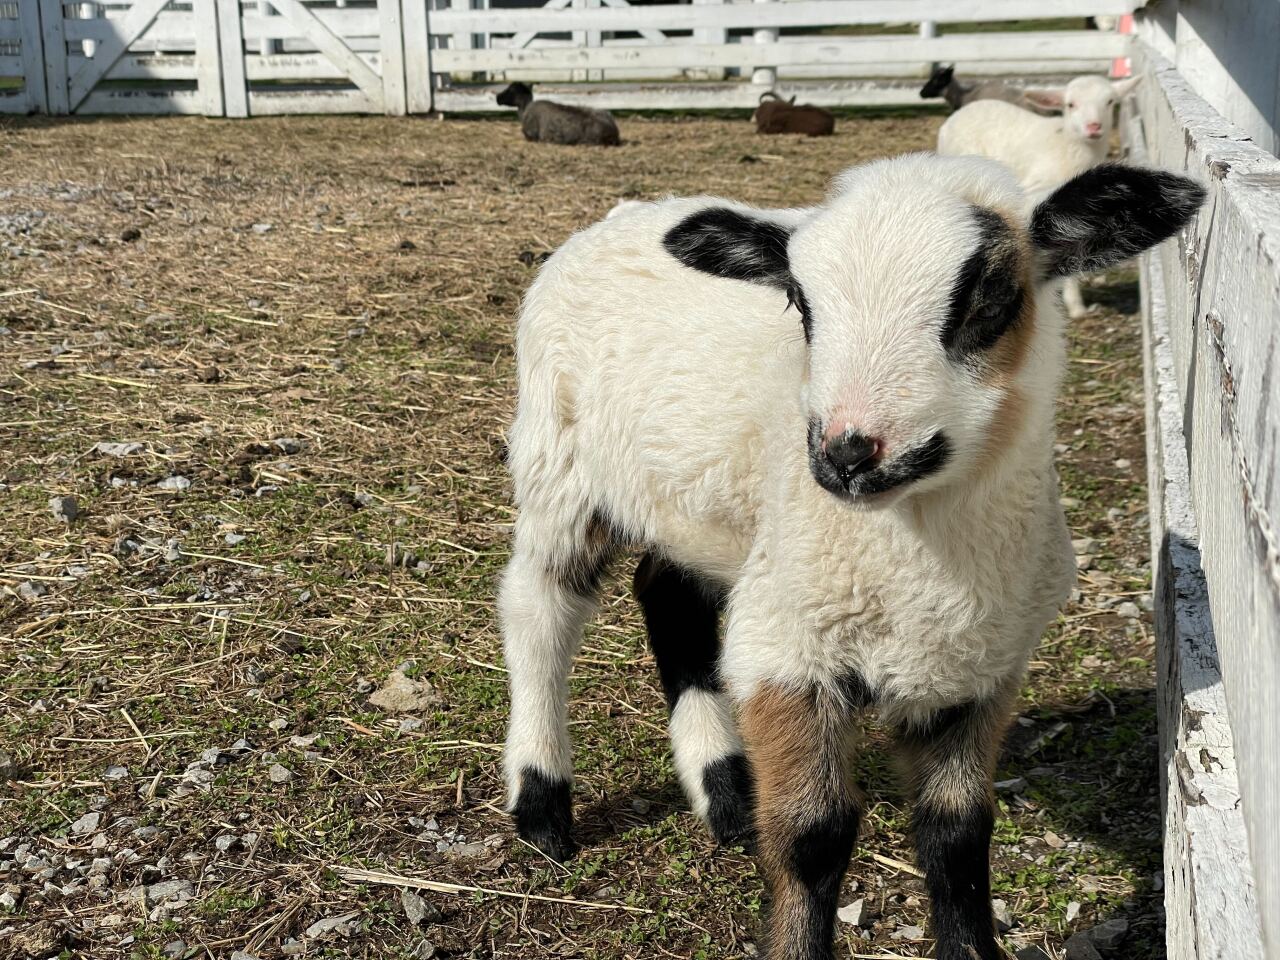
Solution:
(943, 83)
(549, 122)
(775, 115)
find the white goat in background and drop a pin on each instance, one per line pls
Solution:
(1043, 152)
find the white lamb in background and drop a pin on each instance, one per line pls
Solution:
(831, 427)
(1043, 152)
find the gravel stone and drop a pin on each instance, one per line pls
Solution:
(64, 508)
(86, 824)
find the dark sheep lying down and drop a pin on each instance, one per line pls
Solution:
(943, 83)
(549, 122)
(775, 115)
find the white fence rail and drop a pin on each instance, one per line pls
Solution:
(247, 57)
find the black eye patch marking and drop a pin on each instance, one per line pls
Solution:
(796, 299)
(986, 298)
(733, 245)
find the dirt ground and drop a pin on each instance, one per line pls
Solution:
(271, 362)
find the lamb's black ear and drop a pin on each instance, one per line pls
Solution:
(1108, 214)
(737, 246)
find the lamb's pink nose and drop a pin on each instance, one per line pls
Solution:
(1093, 129)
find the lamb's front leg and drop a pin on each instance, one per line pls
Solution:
(952, 755)
(807, 810)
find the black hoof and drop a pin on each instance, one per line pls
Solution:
(731, 790)
(544, 814)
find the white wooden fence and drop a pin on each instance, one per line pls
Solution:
(1211, 309)
(248, 57)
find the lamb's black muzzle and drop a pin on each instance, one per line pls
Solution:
(851, 466)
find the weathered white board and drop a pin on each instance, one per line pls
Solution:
(1221, 293)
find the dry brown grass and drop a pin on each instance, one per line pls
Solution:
(372, 324)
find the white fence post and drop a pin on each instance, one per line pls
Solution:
(235, 88)
(928, 30)
(415, 16)
(88, 11)
(463, 40)
(766, 77)
(268, 45)
(34, 82)
(208, 58)
(715, 36)
(394, 102)
(54, 45)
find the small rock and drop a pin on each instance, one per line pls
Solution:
(1123, 464)
(31, 591)
(287, 444)
(233, 539)
(261, 228)
(1016, 785)
(418, 910)
(329, 925)
(174, 483)
(115, 772)
(852, 912)
(907, 933)
(175, 948)
(463, 850)
(1004, 919)
(425, 950)
(9, 901)
(1129, 610)
(118, 449)
(1068, 503)
(8, 767)
(401, 695)
(279, 774)
(1108, 936)
(302, 741)
(1080, 947)
(1073, 910)
(1032, 952)
(278, 724)
(241, 955)
(1085, 545)
(64, 508)
(225, 842)
(410, 725)
(86, 824)
(365, 686)
(172, 551)
(641, 805)
(170, 890)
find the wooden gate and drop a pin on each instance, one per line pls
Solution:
(345, 59)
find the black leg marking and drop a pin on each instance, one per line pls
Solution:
(731, 790)
(581, 573)
(819, 858)
(544, 814)
(952, 755)
(682, 615)
(953, 850)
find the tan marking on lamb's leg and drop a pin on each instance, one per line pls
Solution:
(807, 810)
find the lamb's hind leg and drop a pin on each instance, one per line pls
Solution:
(682, 615)
(952, 755)
(544, 601)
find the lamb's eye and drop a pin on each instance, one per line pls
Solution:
(989, 311)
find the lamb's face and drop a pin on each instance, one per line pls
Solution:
(1089, 105)
(917, 285)
(919, 311)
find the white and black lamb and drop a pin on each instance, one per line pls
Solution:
(834, 427)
